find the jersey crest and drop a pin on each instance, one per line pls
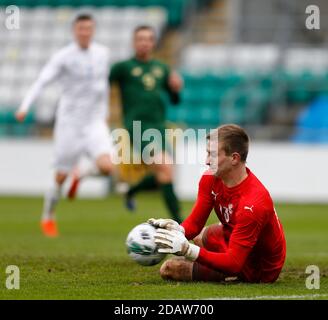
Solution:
(158, 72)
(226, 212)
(136, 72)
(149, 81)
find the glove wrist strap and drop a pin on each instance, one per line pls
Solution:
(192, 252)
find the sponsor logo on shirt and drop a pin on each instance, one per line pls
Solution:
(214, 194)
(249, 208)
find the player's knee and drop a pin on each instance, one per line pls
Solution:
(106, 169)
(105, 165)
(167, 270)
(177, 269)
(60, 178)
(198, 241)
(164, 173)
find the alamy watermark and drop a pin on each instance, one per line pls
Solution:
(148, 146)
(13, 278)
(313, 280)
(312, 22)
(11, 18)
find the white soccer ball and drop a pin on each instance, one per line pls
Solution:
(141, 245)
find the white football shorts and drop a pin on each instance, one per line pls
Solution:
(73, 142)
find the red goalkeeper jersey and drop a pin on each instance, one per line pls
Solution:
(256, 246)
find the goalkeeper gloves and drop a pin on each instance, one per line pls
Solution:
(168, 224)
(173, 241)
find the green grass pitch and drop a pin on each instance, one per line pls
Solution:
(89, 259)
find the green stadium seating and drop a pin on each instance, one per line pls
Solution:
(3, 130)
(6, 3)
(211, 99)
(244, 98)
(9, 125)
(176, 8)
(300, 89)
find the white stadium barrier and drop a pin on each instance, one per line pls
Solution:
(291, 172)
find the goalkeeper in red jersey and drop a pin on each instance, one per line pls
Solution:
(248, 243)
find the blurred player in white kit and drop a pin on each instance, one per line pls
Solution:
(80, 127)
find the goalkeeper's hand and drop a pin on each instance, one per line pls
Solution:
(168, 224)
(173, 241)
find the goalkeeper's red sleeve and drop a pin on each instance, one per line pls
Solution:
(230, 262)
(195, 222)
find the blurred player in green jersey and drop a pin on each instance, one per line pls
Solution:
(143, 82)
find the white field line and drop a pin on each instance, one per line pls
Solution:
(311, 296)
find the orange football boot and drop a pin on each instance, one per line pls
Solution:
(49, 228)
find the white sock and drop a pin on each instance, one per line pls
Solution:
(51, 199)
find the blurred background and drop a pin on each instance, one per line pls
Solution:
(254, 63)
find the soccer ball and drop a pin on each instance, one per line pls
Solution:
(141, 245)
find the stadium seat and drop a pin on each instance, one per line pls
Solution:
(210, 115)
(312, 122)
(225, 97)
(300, 87)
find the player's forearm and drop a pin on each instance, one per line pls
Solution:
(31, 96)
(195, 222)
(49, 73)
(191, 229)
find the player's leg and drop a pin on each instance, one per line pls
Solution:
(198, 240)
(104, 164)
(161, 178)
(185, 270)
(86, 169)
(178, 269)
(149, 182)
(98, 164)
(67, 150)
(163, 170)
(52, 196)
(212, 238)
(98, 146)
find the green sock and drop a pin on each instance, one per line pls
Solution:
(171, 201)
(147, 183)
